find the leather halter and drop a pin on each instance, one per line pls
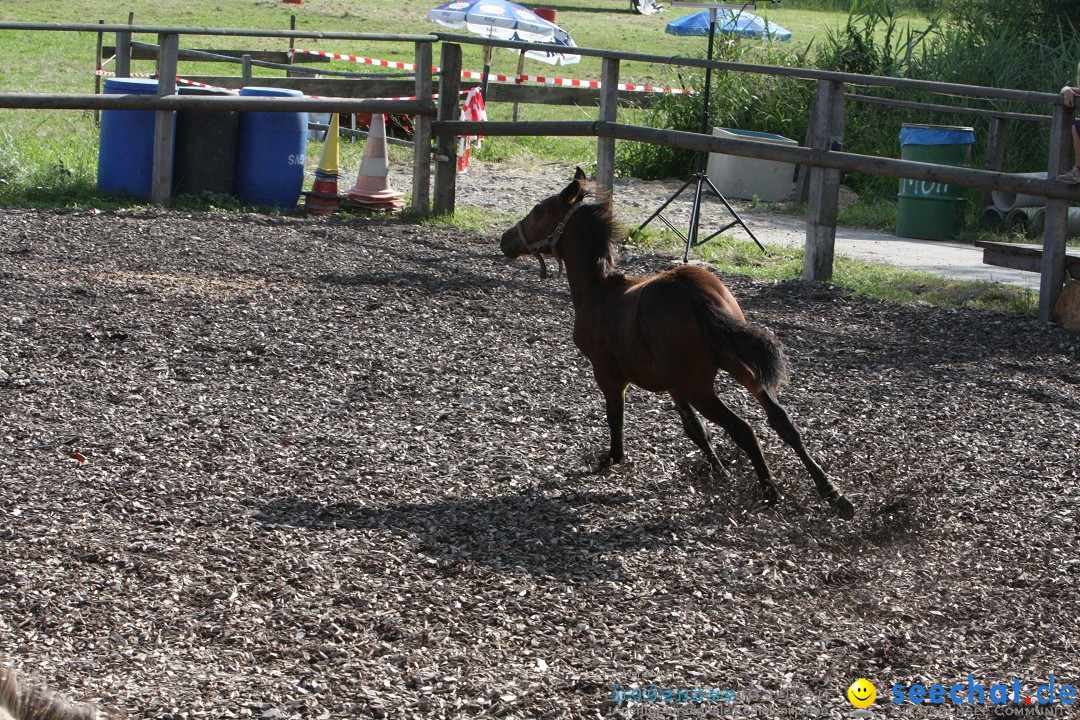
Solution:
(551, 241)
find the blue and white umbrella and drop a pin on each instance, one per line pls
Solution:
(494, 19)
(733, 23)
(561, 39)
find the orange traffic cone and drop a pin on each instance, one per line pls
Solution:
(323, 198)
(372, 190)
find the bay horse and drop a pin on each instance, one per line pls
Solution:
(670, 332)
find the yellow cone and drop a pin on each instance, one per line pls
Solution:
(328, 163)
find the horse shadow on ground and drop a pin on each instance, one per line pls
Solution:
(532, 531)
(413, 272)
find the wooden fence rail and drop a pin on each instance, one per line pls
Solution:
(1022, 96)
(41, 101)
(824, 155)
(215, 32)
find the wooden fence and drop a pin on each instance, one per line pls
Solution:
(823, 154)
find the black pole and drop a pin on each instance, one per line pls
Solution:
(487, 71)
(700, 178)
(701, 163)
(708, 74)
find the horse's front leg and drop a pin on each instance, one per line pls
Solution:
(613, 386)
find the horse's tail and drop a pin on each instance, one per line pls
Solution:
(739, 342)
(24, 703)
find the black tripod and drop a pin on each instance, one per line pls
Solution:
(700, 179)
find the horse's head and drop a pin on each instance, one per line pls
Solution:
(539, 232)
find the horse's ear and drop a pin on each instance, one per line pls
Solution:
(573, 193)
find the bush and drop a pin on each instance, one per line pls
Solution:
(949, 51)
(877, 41)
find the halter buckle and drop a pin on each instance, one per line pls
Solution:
(551, 241)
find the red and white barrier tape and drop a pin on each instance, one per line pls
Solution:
(596, 84)
(195, 83)
(109, 73)
(354, 58)
(180, 80)
(471, 75)
(185, 81)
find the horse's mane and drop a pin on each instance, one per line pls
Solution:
(36, 703)
(603, 230)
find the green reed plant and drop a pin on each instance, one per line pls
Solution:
(877, 40)
(763, 103)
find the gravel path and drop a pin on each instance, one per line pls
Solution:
(495, 187)
(312, 468)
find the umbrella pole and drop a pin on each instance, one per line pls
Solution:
(708, 88)
(487, 71)
(521, 70)
(700, 179)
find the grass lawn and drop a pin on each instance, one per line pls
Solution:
(53, 154)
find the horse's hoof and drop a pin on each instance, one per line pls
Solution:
(607, 461)
(844, 508)
(717, 469)
(772, 493)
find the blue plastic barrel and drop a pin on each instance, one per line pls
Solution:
(271, 148)
(126, 144)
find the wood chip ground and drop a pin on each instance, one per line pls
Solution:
(292, 468)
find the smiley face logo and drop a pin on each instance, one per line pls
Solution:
(862, 693)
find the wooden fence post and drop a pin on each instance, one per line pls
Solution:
(1057, 215)
(995, 154)
(97, 75)
(292, 46)
(609, 106)
(123, 54)
(802, 182)
(520, 72)
(164, 128)
(828, 134)
(446, 146)
(421, 178)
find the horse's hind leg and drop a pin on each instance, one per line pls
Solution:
(781, 423)
(740, 431)
(695, 430)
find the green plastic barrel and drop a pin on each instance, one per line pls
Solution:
(933, 210)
